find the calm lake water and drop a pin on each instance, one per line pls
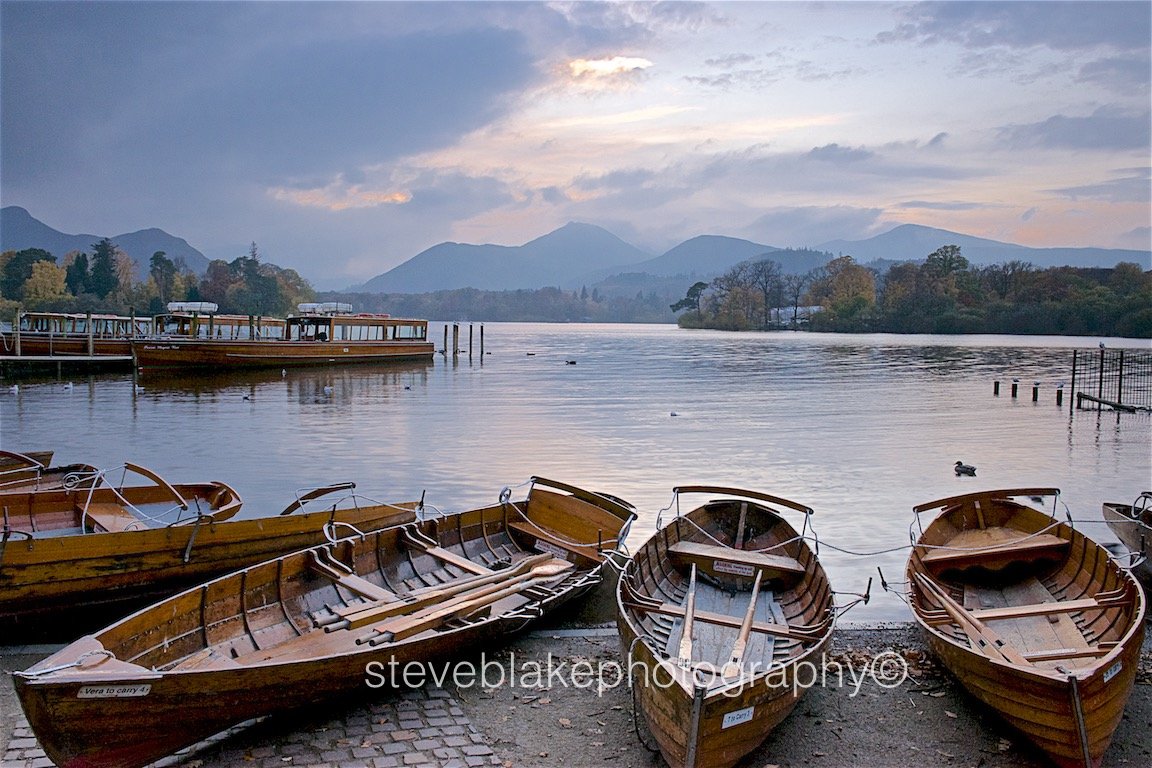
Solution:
(859, 427)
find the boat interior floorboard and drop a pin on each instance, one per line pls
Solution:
(712, 643)
(1028, 634)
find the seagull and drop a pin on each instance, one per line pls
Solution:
(247, 397)
(68, 387)
(14, 389)
(283, 372)
(965, 469)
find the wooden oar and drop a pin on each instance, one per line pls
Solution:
(732, 668)
(979, 634)
(685, 659)
(401, 627)
(356, 616)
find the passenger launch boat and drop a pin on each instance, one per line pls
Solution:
(312, 625)
(320, 334)
(716, 612)
(1034, 618)
(70, 557)
(61, 334)
(1132, 524)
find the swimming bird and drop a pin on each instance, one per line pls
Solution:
(14, 389)
(569, 362)
(68, 387)
(965, 469)
(327, 390)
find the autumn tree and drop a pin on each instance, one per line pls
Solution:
(847, 293)
(18, 268)
(46, 284)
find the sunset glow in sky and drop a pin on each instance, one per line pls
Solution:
(344, 138)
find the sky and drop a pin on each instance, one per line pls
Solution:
(345, 138)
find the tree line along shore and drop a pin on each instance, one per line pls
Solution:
(944, 294)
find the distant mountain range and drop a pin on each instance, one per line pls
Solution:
(584, 255)
(19, 230)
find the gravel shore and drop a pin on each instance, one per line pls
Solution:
(924, 719)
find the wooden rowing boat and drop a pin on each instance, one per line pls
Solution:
(303, 628)
(716, 613)
(22, 471)
(15, 459)
(1034, 618)
(1132, 524)
(73, 558)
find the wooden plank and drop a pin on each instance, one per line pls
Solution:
(993, 547)
(112, 518)
(547, 542)
(1036, 609)
(739, 562)
(348, 579)
(982, 637)
(421, 542)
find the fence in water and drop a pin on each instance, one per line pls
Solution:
(1120, 379)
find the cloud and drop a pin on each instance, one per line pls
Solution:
(1132, 187)
(282, 103)
(598, 68)
(946, 205)
(1108, 128)
(834, 153)
(807, 226)
(1121, 74)
(1061, 26)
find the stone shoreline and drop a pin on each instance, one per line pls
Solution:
(925, 720)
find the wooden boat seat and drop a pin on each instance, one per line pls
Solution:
(429, 546)
(1036, 609)
(725, 560)
(112, 518)
(994, 548)
(552, 544)
(349, 580)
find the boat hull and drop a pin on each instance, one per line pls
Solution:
(63, 584)
(34, 345)
(1134, 533)
(200, 353)
(698, 717)
(1041, 625)
(305, 628)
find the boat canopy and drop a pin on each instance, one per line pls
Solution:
(192, 306)
(325, 308)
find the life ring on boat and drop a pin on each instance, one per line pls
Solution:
(505, 494)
